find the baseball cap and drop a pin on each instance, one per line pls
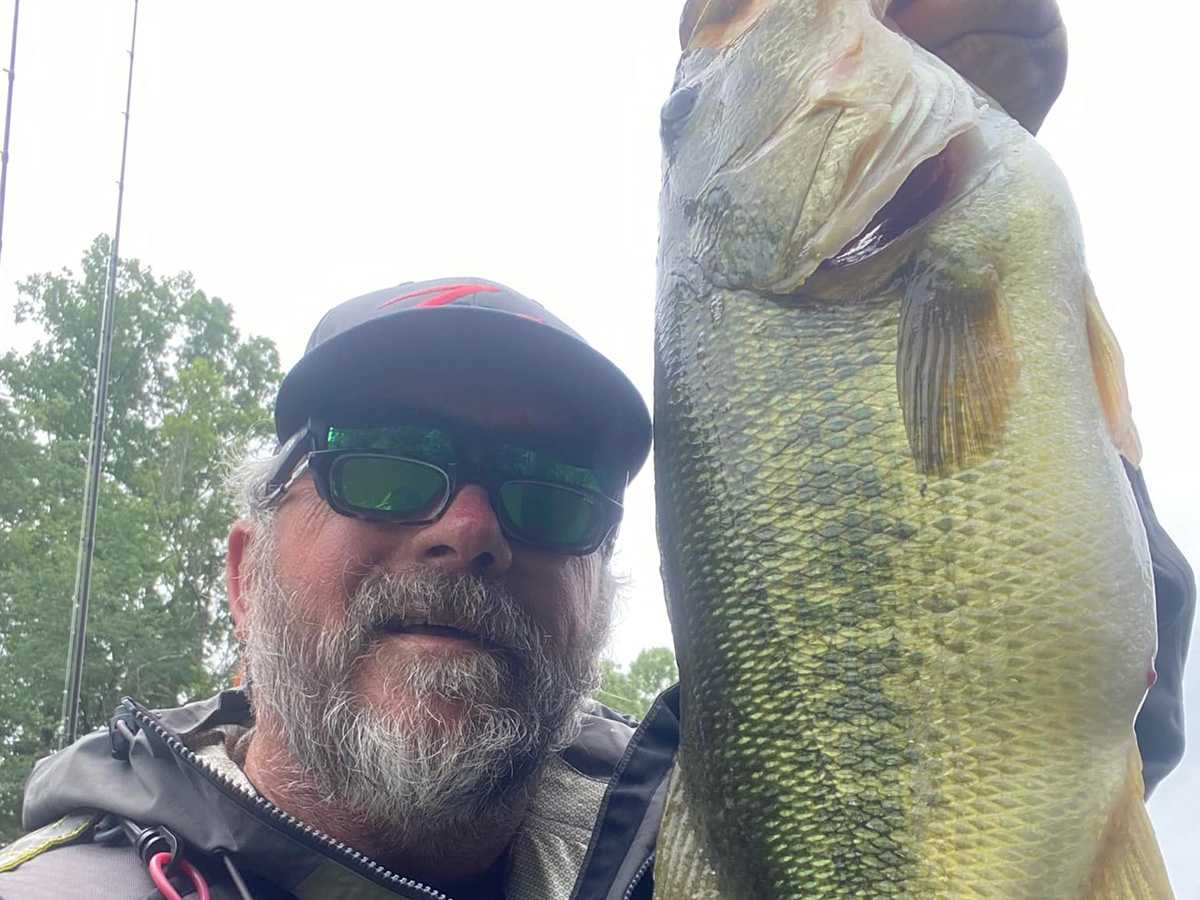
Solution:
(368, 352)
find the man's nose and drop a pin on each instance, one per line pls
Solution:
(467, 536)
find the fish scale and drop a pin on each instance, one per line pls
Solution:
(773, 587)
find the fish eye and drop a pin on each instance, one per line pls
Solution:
(678, 105)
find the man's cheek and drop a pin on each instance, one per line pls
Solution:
(554, 606)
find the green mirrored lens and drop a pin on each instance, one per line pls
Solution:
(521, 462)
(549, 515)
(421, 442)
(387, 484)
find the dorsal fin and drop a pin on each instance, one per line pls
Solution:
(1108, 367)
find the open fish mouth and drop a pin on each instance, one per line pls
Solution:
(934, 184)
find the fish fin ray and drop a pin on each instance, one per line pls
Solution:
(682, 870)
(1129, 865)
(956, 367)
(1108, 367)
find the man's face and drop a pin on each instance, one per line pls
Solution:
(431, 656)
(324, 559)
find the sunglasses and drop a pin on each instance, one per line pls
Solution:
(544, 492)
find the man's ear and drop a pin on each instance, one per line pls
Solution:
(237, 572)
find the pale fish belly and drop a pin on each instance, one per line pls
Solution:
(895, 684)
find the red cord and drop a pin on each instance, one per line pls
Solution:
(159, 877)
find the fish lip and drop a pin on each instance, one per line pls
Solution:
(934, 184)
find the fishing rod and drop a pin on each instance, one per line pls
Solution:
(12, 64)
(87, 531)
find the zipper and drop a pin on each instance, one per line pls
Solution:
(277, 818)
(639, 874)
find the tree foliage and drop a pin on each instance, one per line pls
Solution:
(184, 388)
(634, 691)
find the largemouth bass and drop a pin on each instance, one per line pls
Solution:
(910, 591)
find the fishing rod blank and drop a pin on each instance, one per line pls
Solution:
(87, 531)
(12, 64)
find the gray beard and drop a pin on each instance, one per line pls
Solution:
(416, 775)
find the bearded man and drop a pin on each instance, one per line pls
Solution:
(421, 584)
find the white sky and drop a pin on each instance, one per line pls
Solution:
(292, 156)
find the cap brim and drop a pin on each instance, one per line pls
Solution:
(373, 366)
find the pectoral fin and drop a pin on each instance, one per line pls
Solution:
(1108, 366)
(955, 367)
(1129, 865)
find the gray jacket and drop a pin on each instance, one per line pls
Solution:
(589, 833)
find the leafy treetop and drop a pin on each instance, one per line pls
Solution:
(186, 390)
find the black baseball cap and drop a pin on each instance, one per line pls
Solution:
(472, 330)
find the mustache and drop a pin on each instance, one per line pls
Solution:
(483, 608)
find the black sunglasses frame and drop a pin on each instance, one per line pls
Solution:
(308, 449)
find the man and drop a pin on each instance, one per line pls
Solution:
(421, 585)
(421, 582)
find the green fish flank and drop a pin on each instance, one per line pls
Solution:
(909, 589)
(792, 626)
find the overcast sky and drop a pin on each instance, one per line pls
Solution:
(292, 157)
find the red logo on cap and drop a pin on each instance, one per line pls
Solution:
(442, 294)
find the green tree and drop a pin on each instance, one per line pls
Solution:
(185, 390)
(634, 691)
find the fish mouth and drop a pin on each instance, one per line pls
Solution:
(934, 184)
